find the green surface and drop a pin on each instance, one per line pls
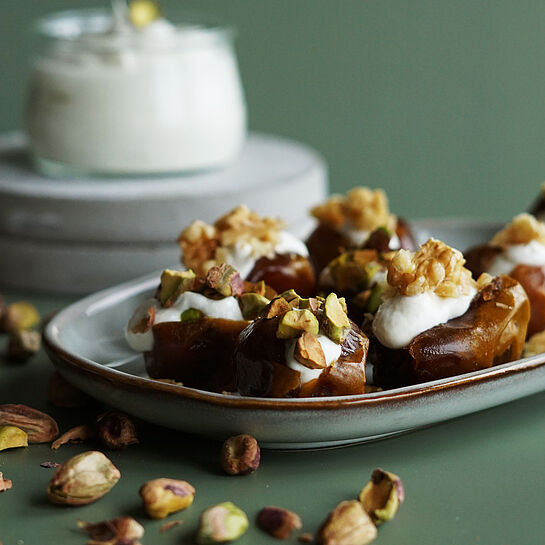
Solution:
(438, 101)
(478, 479)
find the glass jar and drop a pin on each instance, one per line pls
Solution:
(112, 99)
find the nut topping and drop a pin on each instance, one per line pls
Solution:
(225, 280)
(5, 484)
(240, 455)
(523, 229)
(19, 316)
(436, 267)
(308, 351)
(295, 322)
(336, 322)
(162, 497)
(278, 522)
(173, 284)
(204, 246)
(363, 209)
(382, 495)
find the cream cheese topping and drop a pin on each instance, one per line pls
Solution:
(400, 318)
(332, 352)
(358, 238)
(531, 253)
(226, 308)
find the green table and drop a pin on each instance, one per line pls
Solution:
(478, 479)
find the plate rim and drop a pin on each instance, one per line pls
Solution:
(56, 351)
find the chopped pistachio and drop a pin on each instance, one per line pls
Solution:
(309, 352)
(277, 307)
(259, 287)
(295, 322)
(173, 284)
(336, 322)
(342, 302)
(225, 280)
(12, 437)
(252, 304)
(382, 496)
(191, 315)
(375, 298)
(312, 304)
(163, 496)
(347, 524)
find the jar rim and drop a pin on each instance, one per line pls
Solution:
(93, 26)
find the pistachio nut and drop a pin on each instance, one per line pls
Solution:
(22, 345)
(277, 307)
(173, 284)
(83, 479)
(225, 280)
(116, 430)
(240, 455)
(162, 497)
(309, 352)
(295, 322)
(252, 304)
(19, 316)
(12, 437)
(336, 323)
(382, 495)
(222, 522)
(347, 524)
(144, 12)
(40, 427)
(191, 315)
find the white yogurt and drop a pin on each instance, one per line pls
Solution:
(400, 318)
(359, 237)
(123, 100)
(332, 352)
(226, 308)
(531, 253)
(243, 258)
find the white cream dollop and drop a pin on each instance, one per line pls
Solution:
(226, 308)
(358, 237)
(401, 318)
(531, 253)
(332, 352)
(242, 256)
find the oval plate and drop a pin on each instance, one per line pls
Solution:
(86, 343)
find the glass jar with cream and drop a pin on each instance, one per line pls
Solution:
(112, 96)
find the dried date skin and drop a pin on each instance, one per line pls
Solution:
(283, 272)
(196, 353)
(260, 368)
(491, 332)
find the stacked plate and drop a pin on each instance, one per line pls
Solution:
(81, 235)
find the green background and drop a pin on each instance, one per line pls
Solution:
(439, 102)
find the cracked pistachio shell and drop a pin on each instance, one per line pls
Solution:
(83, 479)
(222, 522)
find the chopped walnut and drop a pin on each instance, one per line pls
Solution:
(363, 209)
(204, 246)
(535, 345)
(523, 229)
(436, 267)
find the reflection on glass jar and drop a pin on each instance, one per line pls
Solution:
(109, 98)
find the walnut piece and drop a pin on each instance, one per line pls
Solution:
(363, 209)
(436, 267)
(204, 246)
(523, 229)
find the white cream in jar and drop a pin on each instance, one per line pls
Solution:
(226, 308)
(114, 99)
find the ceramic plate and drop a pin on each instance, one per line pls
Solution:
(85, 341)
